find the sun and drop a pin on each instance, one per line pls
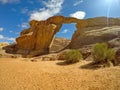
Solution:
(111, 4)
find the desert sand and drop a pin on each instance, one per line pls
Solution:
(21, 74)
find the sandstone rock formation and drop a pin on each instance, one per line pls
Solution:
(59, 44)
(38, 39)
(2, 44)
(97, 30)
(3, 52)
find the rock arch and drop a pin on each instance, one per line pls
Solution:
(37, 39)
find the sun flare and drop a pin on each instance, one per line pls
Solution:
(109, 1)
(110, 4)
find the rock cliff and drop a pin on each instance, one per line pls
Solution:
(97, 30)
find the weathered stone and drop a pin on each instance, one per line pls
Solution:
(114, 42)
(86, 52)
(118, 57)
(88, 36)
(38, 38)
(59, 44)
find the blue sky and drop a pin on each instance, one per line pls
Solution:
(16, 14)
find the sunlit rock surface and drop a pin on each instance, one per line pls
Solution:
(37, 39)
(98, 29)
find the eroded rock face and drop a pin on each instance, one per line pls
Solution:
(59, 44)
(38, 38)
(97, 30)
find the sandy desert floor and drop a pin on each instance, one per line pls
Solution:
(18, 74)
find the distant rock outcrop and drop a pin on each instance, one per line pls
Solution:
(59, 44)
(3, 52)
(3, 44)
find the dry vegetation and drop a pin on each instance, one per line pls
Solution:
(18, 74)
(102, 54)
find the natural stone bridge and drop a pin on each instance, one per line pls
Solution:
(38, 38)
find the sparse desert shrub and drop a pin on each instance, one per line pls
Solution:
(73, 56)
(99, 51)
(102, 54)
(110, 54)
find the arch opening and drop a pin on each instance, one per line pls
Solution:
(63, 37)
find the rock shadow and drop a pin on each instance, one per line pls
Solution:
(63, 63)
(11, 49)
(91, 65)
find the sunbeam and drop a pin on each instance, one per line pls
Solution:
(110, 5)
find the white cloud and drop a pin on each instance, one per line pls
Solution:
(6, 38)
(24, 25)
(52, 7)
(1, 29)
(9, 1)
(77, 2)
(78, 14)
(65, 31)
